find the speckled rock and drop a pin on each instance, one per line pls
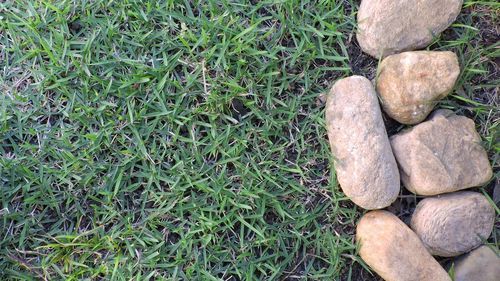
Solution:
(411, 83)
(452, 224)
(482, 264)
(394, 251)
(441, 155)
(363, 159)
(387, 27)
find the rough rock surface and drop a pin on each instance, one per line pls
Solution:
(394, 251)
(387, 27)
(452, 224)
(482, 264)
(411, 83)
(363, 159)
(441, 155)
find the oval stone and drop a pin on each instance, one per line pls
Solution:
(453, 224)
(387, 27)
(480, 264)
(394, 251)
(363, 159)
(411, 83)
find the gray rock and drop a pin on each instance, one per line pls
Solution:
(395, 252)
(496, 192)
(411, 83)
(452, 224)
(387, 27)
(482, 264)
(441, 155)
(363, 159)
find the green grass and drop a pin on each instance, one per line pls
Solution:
(185, 140)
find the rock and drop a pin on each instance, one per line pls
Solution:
(387, 27)
(441, 155)
(496, 192)
(363, 159)
(395, 252)
(482, 264)
(452, 224)
(411, 83)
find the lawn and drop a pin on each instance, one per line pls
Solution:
(185, 140)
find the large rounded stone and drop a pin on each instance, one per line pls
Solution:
(482, 264)
(387, 27)
(363, 159)
(452, 224)
(441, 155)
(411, 83)
(395, 252)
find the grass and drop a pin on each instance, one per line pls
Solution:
(185, 140)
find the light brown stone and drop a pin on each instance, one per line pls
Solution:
(387, 27)
(363, 159)
(441, 155)
(482, 264)
(394, 251)
(452, 224)
(411, 83)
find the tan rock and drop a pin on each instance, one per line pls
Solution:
(482, 264)
(387, 27)
(441, 155)
(365, 166)
(395, 252)
(411, 83)
(452, 224)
